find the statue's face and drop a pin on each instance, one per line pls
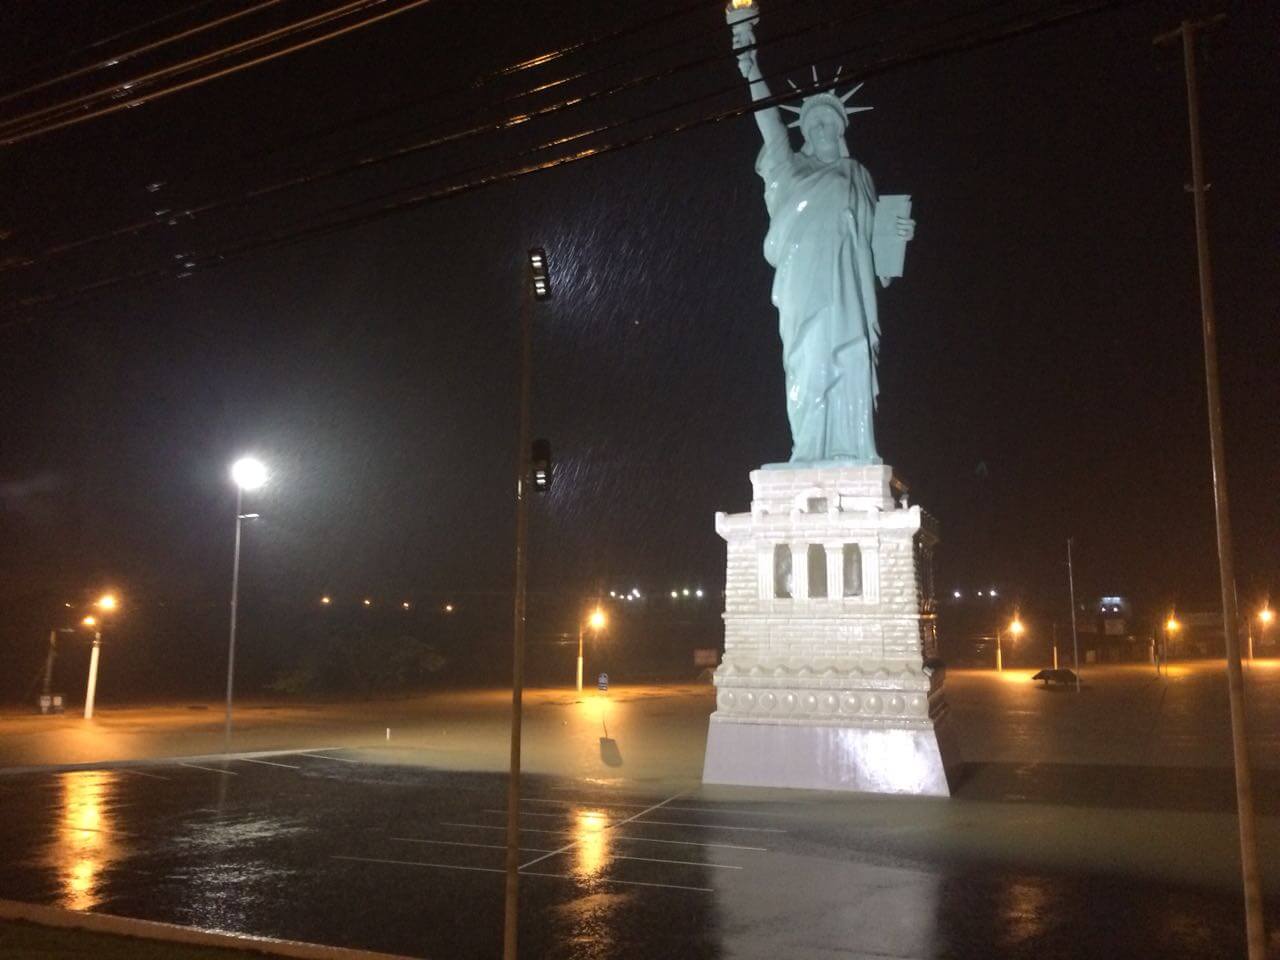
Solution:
(823, 129)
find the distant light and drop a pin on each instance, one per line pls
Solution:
(326, 600)
(613, 593)
(90, 621)
(107, 602)
(698, 592)
(979, 593)
(597, 620)
(405, 604)
(1172, 625)
(67, 605)
(1266, 615)
(248, 473)
(448, 608)
(674, 594)
(992, 592)
(956, 594)
(685, 591)
(1016, 627)
(367, 602)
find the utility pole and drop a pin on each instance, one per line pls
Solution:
(539, 286)
(1075, 634)
(1255, 930)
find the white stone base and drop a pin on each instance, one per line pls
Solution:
(828, 681)
(820, 757)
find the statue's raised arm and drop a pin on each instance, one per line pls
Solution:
(769, 120)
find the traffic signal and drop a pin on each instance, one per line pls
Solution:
(540, 462)
(540, 274)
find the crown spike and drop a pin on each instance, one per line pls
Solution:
(793, 84)
(857, 109)
(814, 68)
(845, 97)
(793, 124)
(839, 67)
(787, 106)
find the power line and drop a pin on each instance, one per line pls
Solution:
(70, 54)
(116, 59)
(886, 64)
(367, 162)
(26, 134)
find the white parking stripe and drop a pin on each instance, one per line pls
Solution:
(325, 756)
(594, 803)
(523, 873)
(140, 773)
(196, 766)
(706, 826)
(269, 763)
(533, 813)
(684, 863)
(692, 843)
(574, 843)
(459, 843)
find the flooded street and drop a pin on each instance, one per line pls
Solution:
(399, 848)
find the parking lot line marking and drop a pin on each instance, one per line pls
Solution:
(459, 843)
(196, 766)
(685, 863)
(708, 826)
(491, 826)
(573, 843)
(736, 813)
(325, 756)
(531, 873)
(140, 773)
(590, 803)
(269, 763)
(628, 883)
(533, 813)
(692, 843)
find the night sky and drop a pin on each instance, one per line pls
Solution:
(1041, 364)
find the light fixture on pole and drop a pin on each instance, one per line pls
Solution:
(1017, 629)
(247, 474)
(596, 622)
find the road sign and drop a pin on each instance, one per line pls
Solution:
(602, 681)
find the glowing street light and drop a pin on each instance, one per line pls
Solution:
(596, 621)
(1265, 618)
(107, 602)
(1016, 628)
(326, 600)
(249, 474)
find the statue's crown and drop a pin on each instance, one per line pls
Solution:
(827, 98)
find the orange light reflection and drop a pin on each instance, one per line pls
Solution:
(83, 845)
(592, 836)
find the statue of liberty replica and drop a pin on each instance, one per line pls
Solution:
(822, 209)
(828, 679)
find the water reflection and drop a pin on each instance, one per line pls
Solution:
(590, 832)
(83, 844)
(1024, 906)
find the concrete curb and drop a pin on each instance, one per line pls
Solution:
(159, 761)
(173, 933)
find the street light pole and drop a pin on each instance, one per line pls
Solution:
(92, 690)
(999, 659)
(1254, 926)
(1075, 635)
(248, 474)
(231, 639)
(581, 627)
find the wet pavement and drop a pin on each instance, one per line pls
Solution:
(367, 848)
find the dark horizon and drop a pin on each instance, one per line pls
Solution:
(1041, 366)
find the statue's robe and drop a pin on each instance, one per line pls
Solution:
(819, 243)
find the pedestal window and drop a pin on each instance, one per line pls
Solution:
(852, 556)
(817, 555)
(782, 579)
